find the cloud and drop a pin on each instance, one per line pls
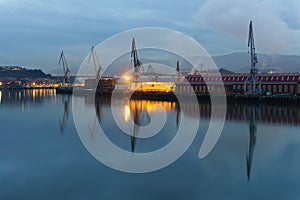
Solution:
(33, 32)
(291, 13)
(232, 17)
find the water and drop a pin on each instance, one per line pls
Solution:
(42, 156)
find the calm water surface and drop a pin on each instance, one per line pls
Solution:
(42, 157)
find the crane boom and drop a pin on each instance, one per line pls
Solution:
(253, 56)
(62, 59)
(255, 84)
(97, 66)
(136, 62)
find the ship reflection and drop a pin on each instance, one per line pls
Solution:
(136, 110)
(66, 103)
(140, 118)
(98, 109)
(139, 111)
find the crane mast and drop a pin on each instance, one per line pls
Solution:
(178, 71)
(62, 59)
(96, 62)
(253, 56)
(253, 82)
(137, 64)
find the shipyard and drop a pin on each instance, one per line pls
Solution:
(142, 100)
(143, 81)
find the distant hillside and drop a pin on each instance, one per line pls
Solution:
(21, 72)
(239, 62)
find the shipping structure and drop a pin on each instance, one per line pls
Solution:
(271, 84)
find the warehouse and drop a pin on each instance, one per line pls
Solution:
(285, 83)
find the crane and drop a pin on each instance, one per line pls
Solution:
(137, 64)
(253, 61)
(97, 66)
(62, 123)
(253, 56)
(66, 69)
(178, 71)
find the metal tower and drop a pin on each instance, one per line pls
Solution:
(252, 85)
(137, 64)
(66, 69)
(96, 62)
(178, 71)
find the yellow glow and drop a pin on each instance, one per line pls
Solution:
(0, 96)
(126, 77)
(149, 106)
(156, 87)
(0, 83)
(127, 113)
(33, 94)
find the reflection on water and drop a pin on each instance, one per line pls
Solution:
(29, 97)
(253, 115)
(256, 156)
(263, 113)
(137, 111)
(66, 110)
(24, 96)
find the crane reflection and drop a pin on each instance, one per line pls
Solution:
(252, 114)
(62, 121)
(135, 110)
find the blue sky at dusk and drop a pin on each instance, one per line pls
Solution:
(33, 32)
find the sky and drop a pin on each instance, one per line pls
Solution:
(34, 32)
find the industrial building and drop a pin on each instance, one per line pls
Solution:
(285, 83)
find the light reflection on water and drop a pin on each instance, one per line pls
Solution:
(260, 143)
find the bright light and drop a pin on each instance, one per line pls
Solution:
(127, 113)
(0, 83)
(127, 78)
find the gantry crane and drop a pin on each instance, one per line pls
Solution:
(255, 84)
(97, 66)
(66, 69)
